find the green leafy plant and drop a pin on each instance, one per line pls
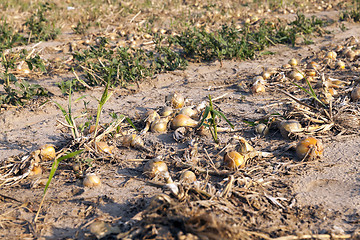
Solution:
(8, 37)
(211, 123)
(39, 26)
(17, 92)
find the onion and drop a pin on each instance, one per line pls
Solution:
(91, 180)
(262, 129)
(156, 167)
(175, 100)
(288, 127)
(160, 125)
(188, 177)
(36, 171)
(309, 148)
(189, 111)
(293, 62)
(133, 140)
(47, 152)
(331, 55)
(166, 111)
(234, 160)
(182, 120)
(296, 75)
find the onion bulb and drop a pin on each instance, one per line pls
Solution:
(296, 75)
(160, 125)
(293, 62)
(258, 85)
(166, 111)
(331, 55)
(91, 180)
(175, 100)
(47, 152)
(188, 177)
(340, 64)
(288, 127)
(36, 170)
(189, 111)
(262, 129)
(309, 148)
(133, 140)
(182, 120)
(234, 160)
(156, 167)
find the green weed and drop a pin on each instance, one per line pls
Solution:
(17, 92)
(212, 122)
(41, 29)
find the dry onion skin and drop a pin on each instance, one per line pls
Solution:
(103, 147)
(234, 160)
(91, 180)
(309, 149)
(47, 152)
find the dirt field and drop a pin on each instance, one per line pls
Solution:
(275, 195)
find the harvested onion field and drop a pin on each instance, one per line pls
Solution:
(180, 119)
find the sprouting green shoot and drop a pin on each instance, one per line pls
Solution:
(212, 122)
(104, 98)
(52, 173)
(311, 92)
(69, 117)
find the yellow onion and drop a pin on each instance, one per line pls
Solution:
(310, 72)
(103, 147)
(296, 75)
(331, 55)
(36, 170)
(312, 66)
(234, 160)
(287, 127)
(160, 125)
(182, 120)
(91, 180)
(175, 100)
(188, 177)
(262, 129)
(188, 111)
(355, 94)
(47, 152)
(166, 111)
(293, 62)
(132, 140)
(156, 167)
(244, 146)
(258, 87)
(350, 54)
(309, 148)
